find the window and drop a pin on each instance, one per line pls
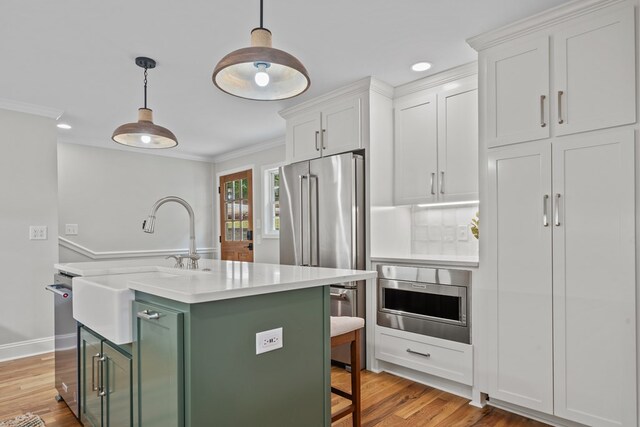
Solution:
(271, 196)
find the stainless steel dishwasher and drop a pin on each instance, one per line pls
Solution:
(66, 342)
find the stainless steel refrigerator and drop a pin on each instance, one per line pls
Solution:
(322, 225)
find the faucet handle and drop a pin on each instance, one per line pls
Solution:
(193, 265)
(178, 259)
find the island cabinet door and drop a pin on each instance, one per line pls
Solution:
(90, 378)
(117, 387)
(158, 358)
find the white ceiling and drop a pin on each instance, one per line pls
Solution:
(77, 56)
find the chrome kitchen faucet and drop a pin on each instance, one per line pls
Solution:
(148, 226)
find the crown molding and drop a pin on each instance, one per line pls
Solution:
(245, 151)
(75, 247)
(540, 21)
(359, 86)
(452, 74)
(23, 107)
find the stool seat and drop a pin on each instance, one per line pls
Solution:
(346, 330)
(343, 324)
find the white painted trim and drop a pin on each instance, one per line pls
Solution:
(75, 247)
(540, 21)
(534, 415)
(245, 151)
(17, 350)
(265, 203)
(355, 88)
(457, 73)
(218, 246)
(23, 107)
(162, 153)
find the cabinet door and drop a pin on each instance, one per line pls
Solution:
(303, 137)
(458, 144)
(158, 354)
(117, 382)
(518, 92)
(594, 279)
(519, 233)
(416, 152)
(341, 127)
(91, 366)
(595, 73)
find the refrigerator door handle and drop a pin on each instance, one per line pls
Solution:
(301, 178)
(314, 238)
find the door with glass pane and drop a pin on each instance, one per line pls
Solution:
(236, 217)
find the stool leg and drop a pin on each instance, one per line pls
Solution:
(355, 379)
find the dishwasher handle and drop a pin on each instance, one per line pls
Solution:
(59, 290)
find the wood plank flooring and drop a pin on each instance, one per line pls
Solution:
(26, 385)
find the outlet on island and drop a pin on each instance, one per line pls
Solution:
(268, 340)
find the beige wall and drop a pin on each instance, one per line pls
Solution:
(108, 193)
(28, 196)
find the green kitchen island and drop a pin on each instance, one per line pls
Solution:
(195, 344)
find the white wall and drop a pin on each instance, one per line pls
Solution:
(28, 197)
(265, 249)
(108, 193)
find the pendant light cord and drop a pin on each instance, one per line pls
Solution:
(261, 14)
(145, 86)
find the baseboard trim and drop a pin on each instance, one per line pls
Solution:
(75, 247)
(27, 348)
(534, 415)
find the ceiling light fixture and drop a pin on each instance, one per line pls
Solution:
(421, 66)
(64, 126)
(144, 133)
(261, 72)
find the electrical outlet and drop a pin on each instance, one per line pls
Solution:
(463, 233)
(38, 232)
(268, 340)
(71, 229)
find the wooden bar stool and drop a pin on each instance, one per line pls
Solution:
(347, 330)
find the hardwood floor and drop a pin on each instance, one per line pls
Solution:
(26, 385)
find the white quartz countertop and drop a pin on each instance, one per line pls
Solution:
(225, 280)
(435, 260)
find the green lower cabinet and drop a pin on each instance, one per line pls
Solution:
(196, 364)
(105, 382)
(158, 352)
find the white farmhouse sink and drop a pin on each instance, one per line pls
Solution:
(103, 303)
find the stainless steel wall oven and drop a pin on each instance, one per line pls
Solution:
(427, 301)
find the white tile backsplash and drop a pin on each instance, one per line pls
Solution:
(435, 230)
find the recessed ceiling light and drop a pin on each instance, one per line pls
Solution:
(63, 126)
(421, 66)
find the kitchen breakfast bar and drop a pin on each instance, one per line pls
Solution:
(230, 344)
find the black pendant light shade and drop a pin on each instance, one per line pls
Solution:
(144, 133)
(261, 72)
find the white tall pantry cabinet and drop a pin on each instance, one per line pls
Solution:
(558, 200)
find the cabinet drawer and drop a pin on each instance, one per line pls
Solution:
(450, 360)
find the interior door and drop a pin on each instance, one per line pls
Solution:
(519, 232)
(595, 72)
(594, 286)
(518, 92)
(236, 216)
(91, 371)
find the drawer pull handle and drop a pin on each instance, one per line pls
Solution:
(418, 353)
(148, 315)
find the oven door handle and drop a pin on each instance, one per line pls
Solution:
(340, 296)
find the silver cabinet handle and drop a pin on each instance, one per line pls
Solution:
(148, 315)
(317, 133)
(560, 93)
(324, 138)
(100, 390)
(93, 372)
(545, 202)
(441, 182)
(542, 122)
(418, 353)
(433, 177)
(557, 210)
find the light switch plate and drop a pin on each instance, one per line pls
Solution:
(38, 232)
(71, 229)
(463, 233)
(268, 340)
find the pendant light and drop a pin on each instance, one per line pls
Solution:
(261, 72)
(144, 133)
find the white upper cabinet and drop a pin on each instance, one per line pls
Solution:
(518, 112)
(594, 71)
(458, 144)
(332, 127)
(436, 143)
(594, 282)
(416, 150)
